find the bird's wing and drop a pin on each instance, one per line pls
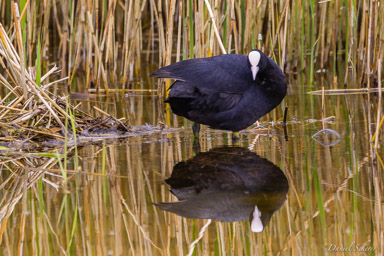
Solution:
(224, 73)
(203, 99)
(217, 102)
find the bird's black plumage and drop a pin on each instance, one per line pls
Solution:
(220, 91)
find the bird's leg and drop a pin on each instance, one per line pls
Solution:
(196, 129)
(196, 140)
(235, 136)
(196, 146)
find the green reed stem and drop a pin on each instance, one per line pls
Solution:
(191, 29)
(302, 37)
(104, 181)
(312, 8)
(38, 62)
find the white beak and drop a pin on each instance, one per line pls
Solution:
(254, 70)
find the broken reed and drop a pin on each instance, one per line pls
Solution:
(105, 40)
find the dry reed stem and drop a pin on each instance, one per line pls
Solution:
(21, 80)
(375, 136)
(12, 104)
(215, 27)
(201, 234)
(17, 189)
(29, 85)
(89, 38)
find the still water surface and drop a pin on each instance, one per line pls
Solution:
(315, 197)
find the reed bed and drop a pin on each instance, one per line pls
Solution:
(105, 41)
(33, 118)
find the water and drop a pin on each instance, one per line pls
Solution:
(106, 203)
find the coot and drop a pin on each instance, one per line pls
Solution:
(227, 92)
(227, 184)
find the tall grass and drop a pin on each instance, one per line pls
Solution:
(105, 40)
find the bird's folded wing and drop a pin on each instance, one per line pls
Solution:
(224, 73)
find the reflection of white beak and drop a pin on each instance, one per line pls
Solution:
(256, 224)
(254, 70)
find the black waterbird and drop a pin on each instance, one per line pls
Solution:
(227, 184)
(227, 92)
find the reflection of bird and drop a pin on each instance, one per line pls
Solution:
(227, 184)
(228, 92)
